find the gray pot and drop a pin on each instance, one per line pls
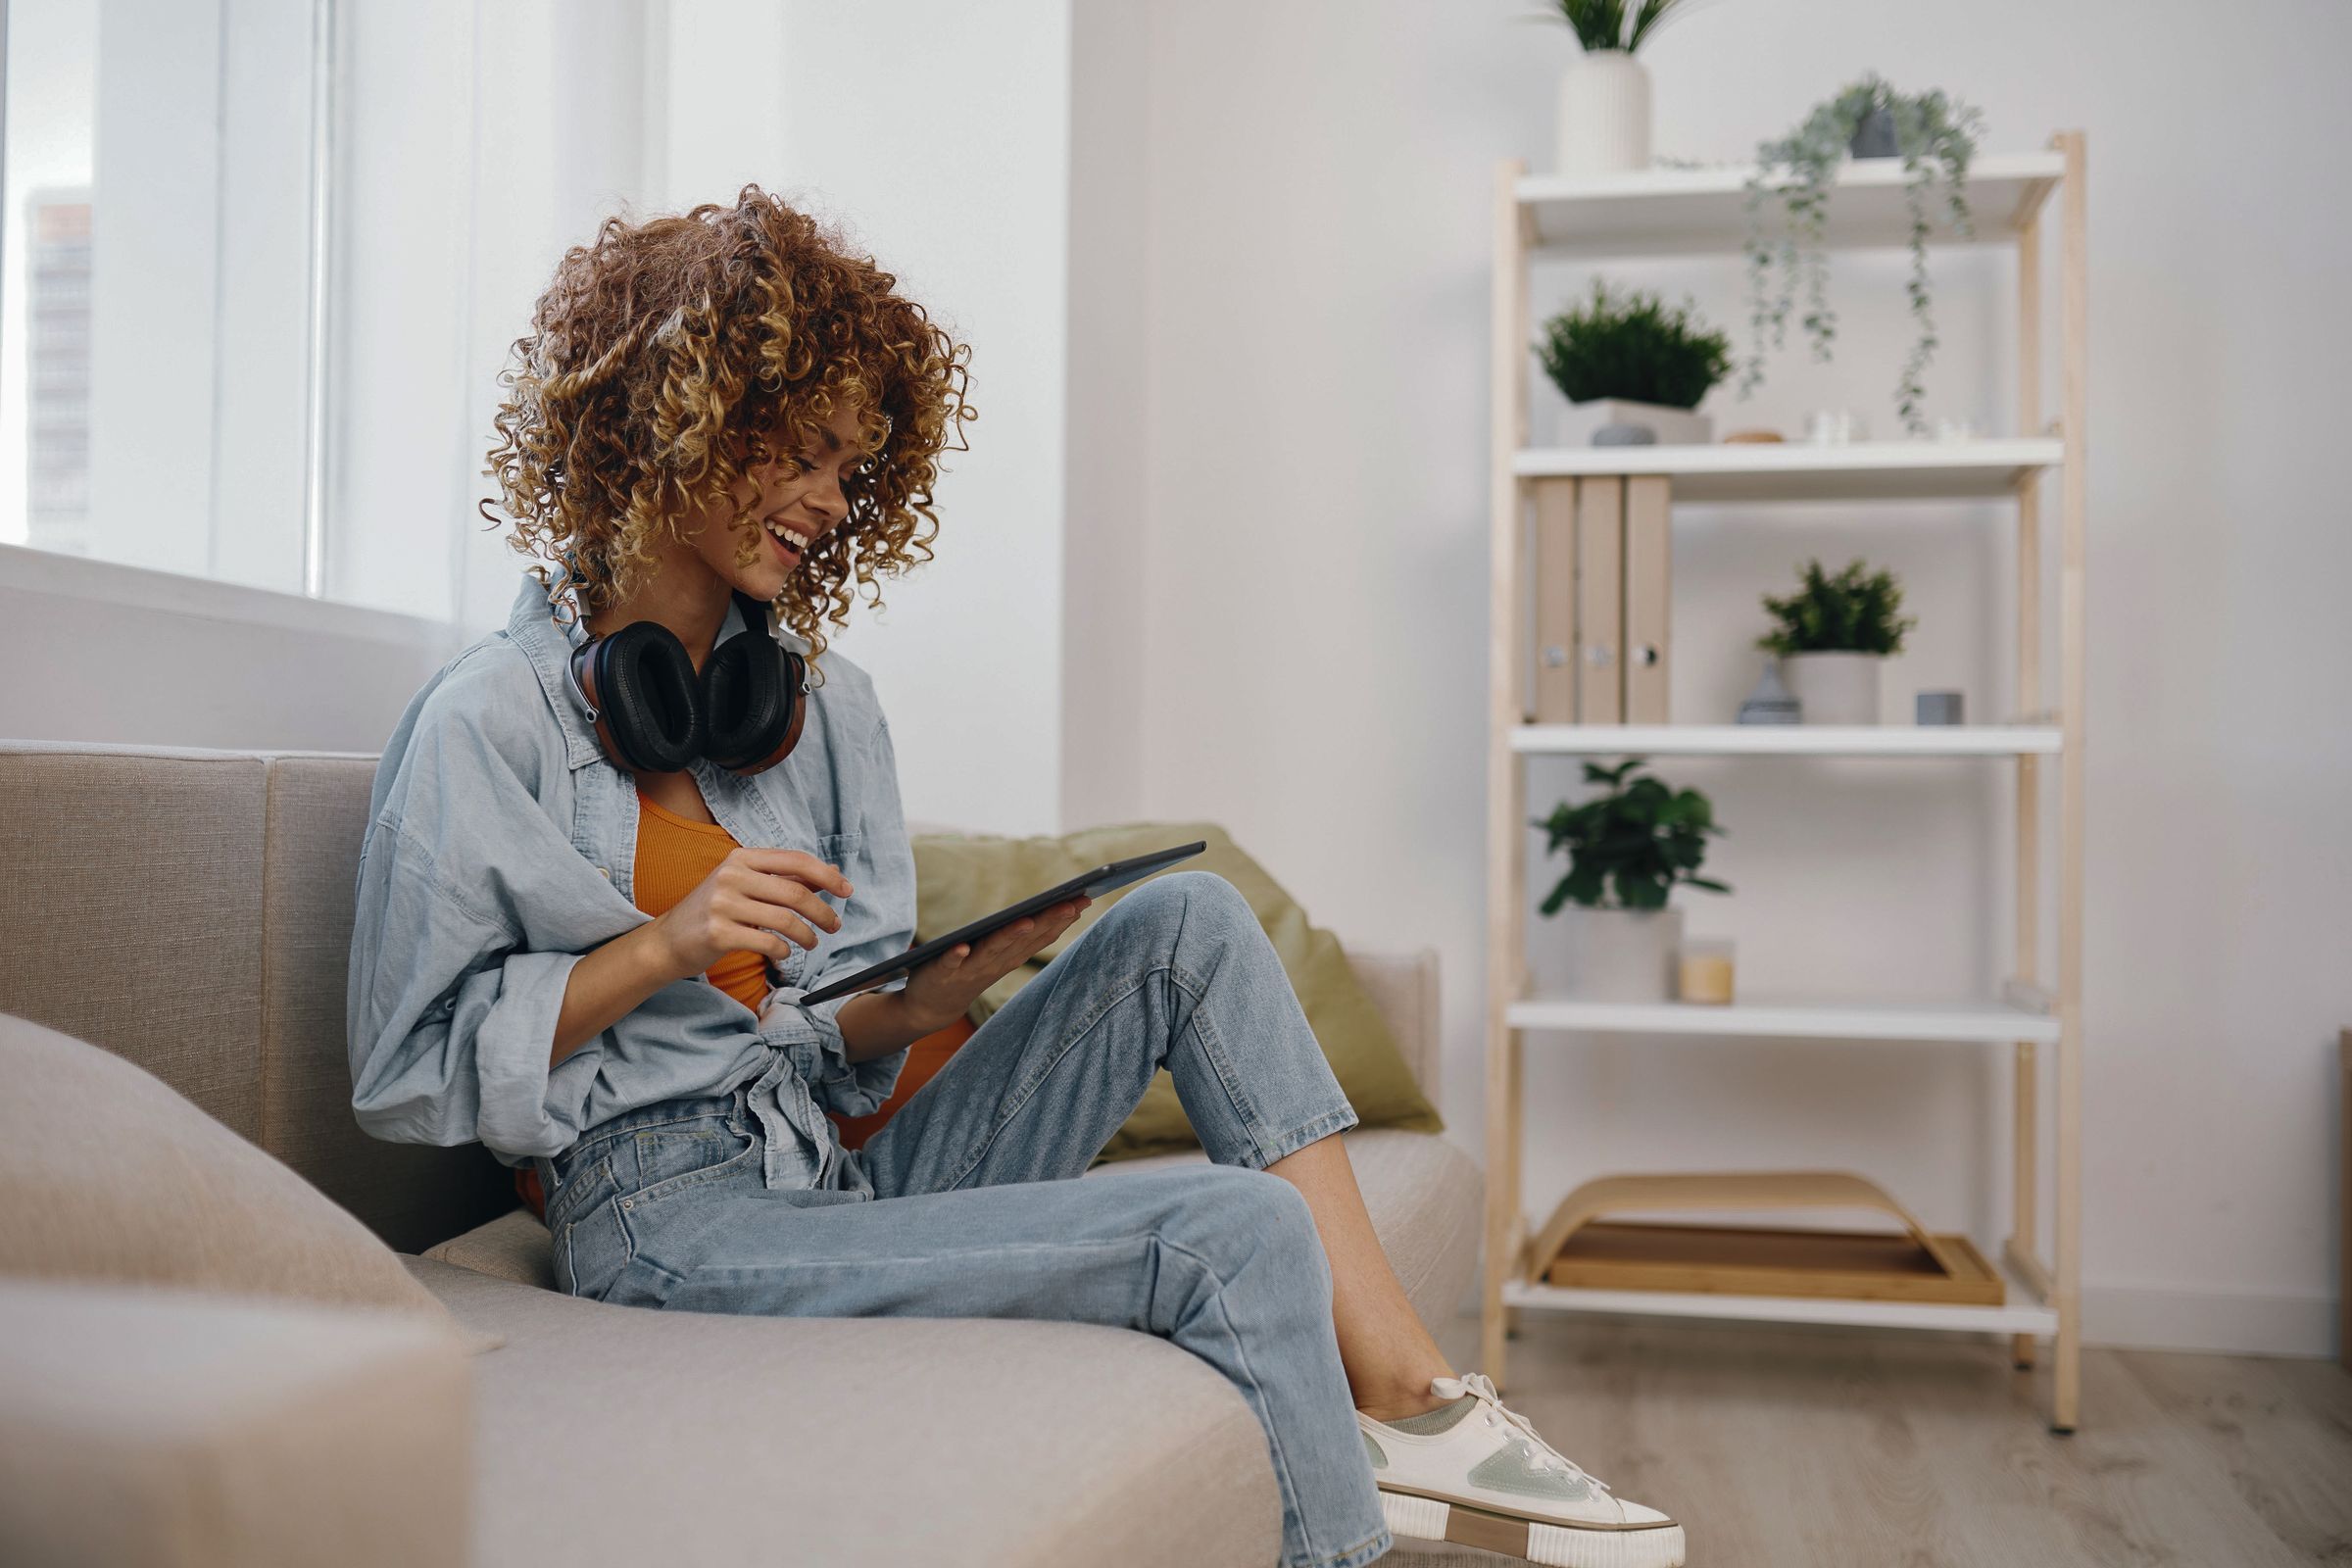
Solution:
(1874, 138)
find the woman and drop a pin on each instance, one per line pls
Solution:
(586, 950)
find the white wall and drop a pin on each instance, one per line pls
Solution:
(1314, 192)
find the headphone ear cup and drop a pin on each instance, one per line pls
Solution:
(651, 701)
(753, 703)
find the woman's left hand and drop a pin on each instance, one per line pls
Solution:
(939, 992)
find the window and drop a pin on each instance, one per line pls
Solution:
(154, 285)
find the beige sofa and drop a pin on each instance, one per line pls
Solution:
(190, 911)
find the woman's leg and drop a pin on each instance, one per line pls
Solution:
(1176, 974)
(1390, 1356)
(1223, 1263)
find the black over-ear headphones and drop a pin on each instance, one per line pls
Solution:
(654, 715)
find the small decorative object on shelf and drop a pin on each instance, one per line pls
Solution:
(1935, 135)
(1705, 974)
(1834, 634)
(1938, 708)
(1578, 1247)
(1835, 427)
(1604, 93)
(1628, 364)
(1771, 701)
(1626, 849)
(1753, 438)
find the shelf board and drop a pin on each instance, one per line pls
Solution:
(1673, 212)
(2025, 1312)
(1993, 1021)
(1787, 740)
(1795, 471)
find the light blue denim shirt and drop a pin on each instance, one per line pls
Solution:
(501, 848)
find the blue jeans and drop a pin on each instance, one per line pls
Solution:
(974, 1209)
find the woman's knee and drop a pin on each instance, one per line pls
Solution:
(1235, 1211)
(1196, 903)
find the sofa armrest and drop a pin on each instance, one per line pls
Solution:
(1405, 987)
(180, 1428)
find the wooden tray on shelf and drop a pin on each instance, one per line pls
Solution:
(1579, 1247)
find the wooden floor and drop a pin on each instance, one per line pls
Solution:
(1784, 1447)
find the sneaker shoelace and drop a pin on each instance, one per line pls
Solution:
(1491, 1408)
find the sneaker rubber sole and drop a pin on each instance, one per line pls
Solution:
(1553, 1545)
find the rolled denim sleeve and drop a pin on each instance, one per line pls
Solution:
(452, 1024)
(877, 922)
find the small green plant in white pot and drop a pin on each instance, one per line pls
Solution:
(1632, 368)
(1614, 930)
(1833, 636)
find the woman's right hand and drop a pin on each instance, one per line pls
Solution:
(752, 896)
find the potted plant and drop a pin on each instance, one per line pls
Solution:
(1935, 135)
(1628, 848)
(1834, 634)
(1632, 370)
(1604, 93)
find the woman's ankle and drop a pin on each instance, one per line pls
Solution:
(1401, 1400)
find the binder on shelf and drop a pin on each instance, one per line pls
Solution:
(1599, 601)
(1556, 602)
(1648, 597)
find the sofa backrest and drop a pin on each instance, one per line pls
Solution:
(191, 910)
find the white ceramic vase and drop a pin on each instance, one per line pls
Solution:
(1578, 422)
(1605, 113)
(1604, 955)
(1835, 688)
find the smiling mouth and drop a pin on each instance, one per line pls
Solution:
(792, 540)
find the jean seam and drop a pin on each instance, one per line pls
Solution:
(1306, 1133)
(1363, 1551)
(1220, 1064)
(1282, 1463)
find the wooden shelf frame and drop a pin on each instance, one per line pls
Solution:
(1680, 212)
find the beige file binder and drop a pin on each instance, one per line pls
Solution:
(1599, 601)
(1648, 597)
(1556, 602)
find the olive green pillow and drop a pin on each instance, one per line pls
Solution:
(962, 878)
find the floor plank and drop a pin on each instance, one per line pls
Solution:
(1819, 1449)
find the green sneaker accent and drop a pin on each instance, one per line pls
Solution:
(1380, 1460)
(1429, 1423)
(1517, 1469)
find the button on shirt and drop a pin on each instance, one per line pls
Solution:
(499, 851)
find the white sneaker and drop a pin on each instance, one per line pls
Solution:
(1478, 1473)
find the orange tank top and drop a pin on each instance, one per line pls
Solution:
(673, 856)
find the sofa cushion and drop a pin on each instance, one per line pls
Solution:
(514, 1246)
(164, 1427)
(233, 872)
(113, 1176)
(962, 877)
(609, 1435)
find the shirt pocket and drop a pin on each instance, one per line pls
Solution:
(838, 849)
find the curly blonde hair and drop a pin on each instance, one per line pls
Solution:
(663, 355)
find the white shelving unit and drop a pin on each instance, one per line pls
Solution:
(1684, 212)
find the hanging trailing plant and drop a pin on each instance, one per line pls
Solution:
(1935, 136)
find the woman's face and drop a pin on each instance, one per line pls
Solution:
(794, 503)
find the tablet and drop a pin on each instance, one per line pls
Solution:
(1093, 884)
